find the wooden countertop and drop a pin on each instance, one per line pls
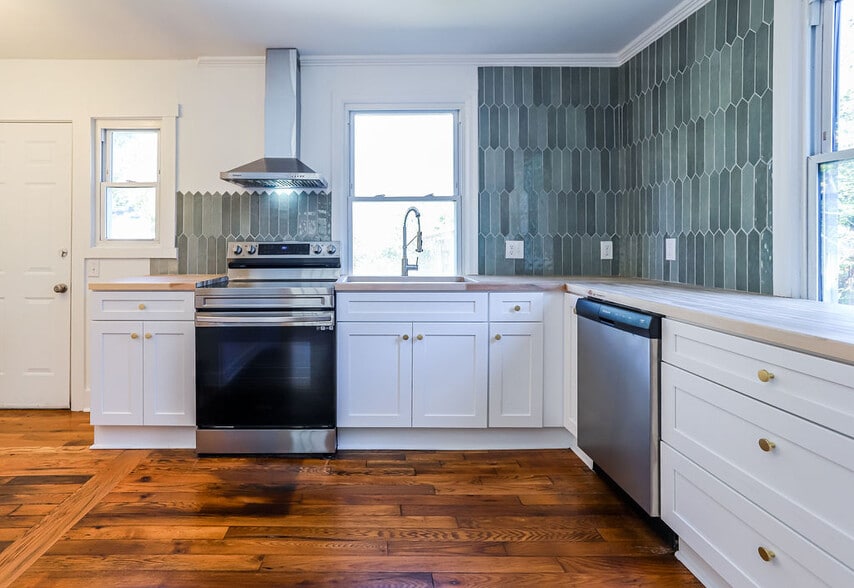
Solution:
(168, 282)
(825, 330)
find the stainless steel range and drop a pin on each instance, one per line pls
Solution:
(265, 351)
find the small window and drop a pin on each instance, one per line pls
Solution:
(129, 185)
(401, 159)
(832, 163)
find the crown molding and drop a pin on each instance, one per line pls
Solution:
(497, 60)
(231, 61)
(660, 28)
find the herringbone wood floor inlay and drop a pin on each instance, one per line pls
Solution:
(443, 518)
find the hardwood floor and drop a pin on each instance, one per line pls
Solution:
(76, 517)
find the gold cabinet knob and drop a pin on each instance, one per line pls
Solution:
(148, 335)
(498, 337)
(134, 336)
(60, 288)
(766, 554)
(517, 308)
(406, 337)
(142, 307)
(764, 376)
(419, 337)
(766, 445)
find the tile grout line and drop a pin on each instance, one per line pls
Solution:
(22, 553)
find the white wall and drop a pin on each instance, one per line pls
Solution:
(327, 91)
(219, 104)
(220, 126)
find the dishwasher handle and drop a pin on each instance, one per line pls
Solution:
(625, 319)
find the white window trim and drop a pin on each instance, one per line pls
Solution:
(163, 244)
(461, 182)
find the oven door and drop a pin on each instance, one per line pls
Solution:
(265, 370)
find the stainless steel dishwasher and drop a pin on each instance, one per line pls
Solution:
(618, 396)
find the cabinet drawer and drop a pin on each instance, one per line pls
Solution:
(141, 306)
(816, 389)
(516, 306)
(805, 478)
(416, 306)
(727, 530)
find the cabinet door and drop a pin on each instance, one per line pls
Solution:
(374, 374)
(169, 373)
(571, 364)
(116, 365)
(516, 375)
(449, 375)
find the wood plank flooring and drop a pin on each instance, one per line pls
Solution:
(70, 516)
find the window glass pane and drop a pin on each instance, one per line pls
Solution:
(378, 238)
(403, 154)
(836, 218)
(844, 123)
(134, 156)
(130, 212)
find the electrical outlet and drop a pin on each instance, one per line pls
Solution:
(93, 268)
(670, 249)
(514, 249)
(606, 250)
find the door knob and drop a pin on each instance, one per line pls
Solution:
(60, 288)
(517, 308)
(764, 375)
(498, 337)
(405, 337)
(419, 337)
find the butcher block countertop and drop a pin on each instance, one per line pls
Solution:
(825, 330)
(167, 283)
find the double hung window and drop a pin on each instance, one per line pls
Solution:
(400, 159)
(831, 167)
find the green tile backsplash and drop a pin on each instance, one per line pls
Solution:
(676, 143)
(206, 222)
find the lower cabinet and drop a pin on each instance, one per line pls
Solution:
(516, 375)
(143, 373)
(756, 472)
(142, 368)
(412, 374)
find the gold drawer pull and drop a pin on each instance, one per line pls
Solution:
(498, 337)
(766, 445)
(405, 337)
(134, 336)
(148, 335)
(766, 554)
(764, 376)
(419, 337)
(142, 307)
(517, 308)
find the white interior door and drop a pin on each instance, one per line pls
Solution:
(35, 238)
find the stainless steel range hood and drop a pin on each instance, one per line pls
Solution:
(280, 166)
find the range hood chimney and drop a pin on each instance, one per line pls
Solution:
(280, 166)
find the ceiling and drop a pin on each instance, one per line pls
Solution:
(187, 29)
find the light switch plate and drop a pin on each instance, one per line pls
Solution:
(606, 250)
(670, 249)
(514, 249)
(93, 268)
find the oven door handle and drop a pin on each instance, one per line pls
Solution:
(221, 319)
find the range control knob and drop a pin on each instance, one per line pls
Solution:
(238, 249)
(251, 250)
(318, 249)
(331, 249)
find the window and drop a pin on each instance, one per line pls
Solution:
(400, 159)
(831, 167)
(133, 172)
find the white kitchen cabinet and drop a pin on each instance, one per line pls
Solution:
(516, 360)
(374, 374)
(570, 364)
(430, 372)
(411, 374)
(142, 371)
(757, 443)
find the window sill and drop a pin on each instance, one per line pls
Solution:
(141, 252)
